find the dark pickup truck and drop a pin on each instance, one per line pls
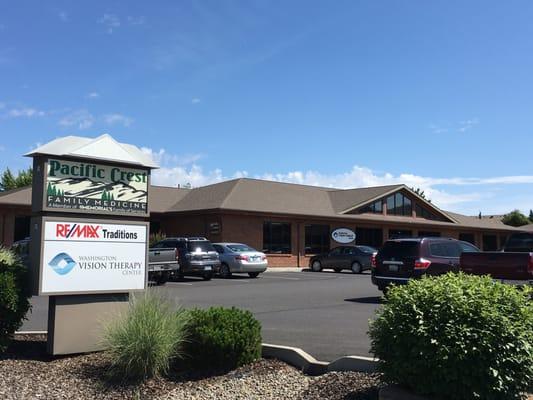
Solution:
(513, 265)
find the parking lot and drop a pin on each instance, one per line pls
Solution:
(326, 313)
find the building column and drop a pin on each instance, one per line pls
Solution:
(385, 234)
(8, 229)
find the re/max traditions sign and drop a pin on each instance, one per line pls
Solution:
(90, 187)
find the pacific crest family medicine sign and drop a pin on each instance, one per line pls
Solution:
(95, 187)
(89, 234)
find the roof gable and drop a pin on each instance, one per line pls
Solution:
(103, 147)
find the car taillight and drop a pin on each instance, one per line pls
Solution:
(373, 260)
(241, 258)
(176, 253)
(422, 263)
(263, 258)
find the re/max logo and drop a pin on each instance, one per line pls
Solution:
(77, 231)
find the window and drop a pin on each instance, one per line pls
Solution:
(240, 248)
(399, 249)
(22, 227)
(490, 243)
(422, 212)
(337, 251)
(428, 234)
(399, 233)
(277, 237)
(522, 242)
(316, 239)
(218, 248)
(468, 248)
(375, 207)
(398, 204)
(467, 237)
(200, 246)
(369, 237)
(449, 249)
(367, 249)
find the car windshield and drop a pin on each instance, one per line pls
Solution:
(199, 246)
(367, 249)
(240, 248)
(520, 242)
(399, 249)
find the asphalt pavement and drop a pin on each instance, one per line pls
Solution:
(326, 314)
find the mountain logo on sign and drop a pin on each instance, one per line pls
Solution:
(62, 263)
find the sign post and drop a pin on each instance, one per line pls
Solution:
(89, 236)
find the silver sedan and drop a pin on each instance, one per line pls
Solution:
(240, 258)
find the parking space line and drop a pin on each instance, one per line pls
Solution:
(179, 283)
(280, 277)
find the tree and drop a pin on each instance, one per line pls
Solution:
(421, 193)
(8, 181)
(531, 216)
(515, 218)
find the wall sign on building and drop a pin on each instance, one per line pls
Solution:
(84, 186)
(343, 235)
(92, 257)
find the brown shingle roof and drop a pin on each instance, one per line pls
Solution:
(255, 195)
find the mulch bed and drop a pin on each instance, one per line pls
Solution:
(27, 372)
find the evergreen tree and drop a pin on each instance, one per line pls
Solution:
(531, 216)
(8, 181)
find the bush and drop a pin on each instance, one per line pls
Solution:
(456, 337)
(223, 338)
(143, 342)
(14, 295)
(156, 237)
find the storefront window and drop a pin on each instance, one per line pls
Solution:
(316, 239)
(468, 237)
(490, 243)
(428, 234)
(399, 233)
(277, 238)
(372, 237)
(375, 208)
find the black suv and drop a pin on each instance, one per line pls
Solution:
(196, 256)
(402, 259)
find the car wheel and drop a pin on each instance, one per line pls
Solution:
(225, 271)
(253, 274)
(337, 270)
(316, 266)
(207, 276)
(162, 278)
(356, 268)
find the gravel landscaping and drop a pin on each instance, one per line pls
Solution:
(26, 372)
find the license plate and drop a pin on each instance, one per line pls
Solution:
(394, 268)
(208, 268)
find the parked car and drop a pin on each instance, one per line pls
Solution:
(400, 260)
(240, 258)
(162, 262)
(196, 256)
(355, 258)
(513, 265)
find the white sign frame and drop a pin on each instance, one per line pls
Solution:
(114, 262)
(343, 235)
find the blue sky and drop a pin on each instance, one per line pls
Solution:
(345, 93)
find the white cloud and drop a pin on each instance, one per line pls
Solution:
(93, 95)
(195, 100)
(468, 124)
(184, 169)
(117, 119)
(82, 119)
(140, 20)
(110, 21)
(24, 112)
(2, 148)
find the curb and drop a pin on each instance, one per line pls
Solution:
(298, 358)
(284, 269)
(311, 366)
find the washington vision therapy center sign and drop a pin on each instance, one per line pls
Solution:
(92, 257)
(90, 187)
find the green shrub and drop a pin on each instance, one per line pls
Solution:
(143, 341)
(456, 337)
(156, 237)
(223, 338)
(14, 295)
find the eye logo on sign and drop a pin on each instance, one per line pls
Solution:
(62, 263)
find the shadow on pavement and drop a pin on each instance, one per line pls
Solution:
(366, 300)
